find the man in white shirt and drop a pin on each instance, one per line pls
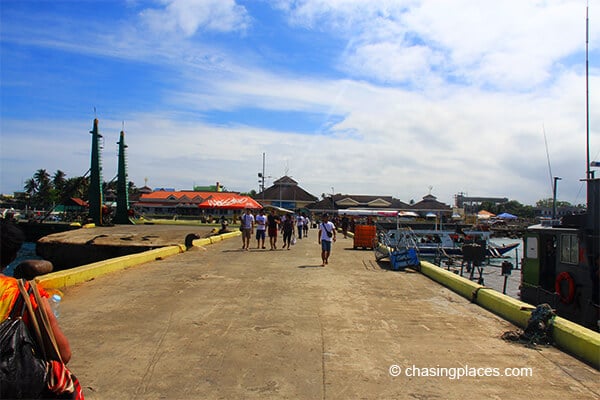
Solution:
(300, 225)
(326, 236)
(261, 229)
(247, 229)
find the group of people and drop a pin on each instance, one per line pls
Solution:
(271, 225)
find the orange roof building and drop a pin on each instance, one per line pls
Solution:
(187, 202)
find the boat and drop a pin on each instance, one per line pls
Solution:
(436, 242)
(402, 250)
(561, 259)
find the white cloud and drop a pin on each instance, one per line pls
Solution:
(391, 62)
(511, 44)
(190, 16)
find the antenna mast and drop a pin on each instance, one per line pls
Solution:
(588, 173)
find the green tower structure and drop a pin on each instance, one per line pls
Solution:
(95, 189)
(122, 215)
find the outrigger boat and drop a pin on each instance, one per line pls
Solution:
(434, 242)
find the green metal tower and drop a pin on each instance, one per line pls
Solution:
(122, 215)
(95, 189)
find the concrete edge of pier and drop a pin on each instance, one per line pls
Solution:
(568, 336)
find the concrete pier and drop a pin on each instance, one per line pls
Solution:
(217, 322)
(88, 245)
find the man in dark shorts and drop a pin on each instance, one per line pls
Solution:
(261, 227)
(247, 229)
(326, 236)
(272, 227)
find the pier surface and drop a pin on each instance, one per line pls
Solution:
(222, 323)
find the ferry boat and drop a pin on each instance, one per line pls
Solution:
(561, 260)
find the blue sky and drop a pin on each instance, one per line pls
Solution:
(380, 97)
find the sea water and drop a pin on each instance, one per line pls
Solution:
(492, 273)
(27, 252)
(491, 270)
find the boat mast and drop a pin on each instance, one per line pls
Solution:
(588, 174)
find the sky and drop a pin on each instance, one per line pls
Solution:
(396, 98)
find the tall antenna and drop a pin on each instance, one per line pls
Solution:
(588, 173)
(548, 158)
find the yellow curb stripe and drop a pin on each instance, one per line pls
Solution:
(459, 284)
(201, 242)
(73, 276)
(577, 340)
(568, 336)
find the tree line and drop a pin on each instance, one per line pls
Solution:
(44, 191)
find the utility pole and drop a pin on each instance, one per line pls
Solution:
(261, 179)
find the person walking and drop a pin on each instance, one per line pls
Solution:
(326, 236)
(306, 225)
(300, 225)
(247, 229)
(287, 230)
(272, 228)
(345, 224)
(261, 227)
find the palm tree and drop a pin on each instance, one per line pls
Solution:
(74, 187)
(42, 177)
(59, 180)
(43, 197)
(30, 187)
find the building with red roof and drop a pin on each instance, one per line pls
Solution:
(167, 203)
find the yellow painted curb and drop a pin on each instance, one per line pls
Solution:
(73, 276)
(201, 242)
(216, 238)
(510, 309)
(568, 336)
(460, 285)
(233, 234)
(578, 340)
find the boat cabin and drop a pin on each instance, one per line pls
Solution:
(560, 264)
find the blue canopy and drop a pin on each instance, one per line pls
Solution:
(506, 216)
